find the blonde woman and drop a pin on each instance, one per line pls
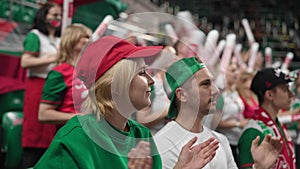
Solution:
(63, 92)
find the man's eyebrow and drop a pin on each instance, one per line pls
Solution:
(205, 81)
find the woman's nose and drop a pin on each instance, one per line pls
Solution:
(150, 79)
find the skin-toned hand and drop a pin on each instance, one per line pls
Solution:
(265, 154)
(139, 157)
(196, 157)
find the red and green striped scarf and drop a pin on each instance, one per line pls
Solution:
(286, 157)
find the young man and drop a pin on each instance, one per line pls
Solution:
(271, 87)
(194, 96)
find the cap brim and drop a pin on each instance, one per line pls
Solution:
(284, 81)
(149, 53)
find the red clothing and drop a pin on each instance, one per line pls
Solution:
(34, 133)
(249, 109)
(64, 89)
(286, 157)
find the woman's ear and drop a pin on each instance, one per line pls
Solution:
(180, 94)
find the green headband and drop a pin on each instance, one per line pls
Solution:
(177, 74)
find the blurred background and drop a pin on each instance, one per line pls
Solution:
(274, 23)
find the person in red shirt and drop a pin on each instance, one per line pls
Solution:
(63, 92)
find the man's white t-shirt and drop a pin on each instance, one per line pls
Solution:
(170, 140)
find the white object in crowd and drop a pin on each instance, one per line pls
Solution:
(102, 27)
(210, 45)
(196, 40)
(248, 31)
(253, 55)
(226, 57)
(276, 64)
(171, 32)
(216, 54)
(268, 57)
(289, 57)
(184, 23)
(237, 54)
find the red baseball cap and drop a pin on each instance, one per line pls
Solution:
(105, 52)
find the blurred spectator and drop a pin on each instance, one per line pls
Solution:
(272, 90)
(63, 92)
(39, 57)
(248, 97)
(233, 120)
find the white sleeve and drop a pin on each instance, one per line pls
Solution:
(229, 156)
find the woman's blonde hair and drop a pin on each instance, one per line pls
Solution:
(111, 88)
(70, 37)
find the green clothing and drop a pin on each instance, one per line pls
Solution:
(83, 142)
(244, 145)
(256, 128)
(31, 43)
(54, 88)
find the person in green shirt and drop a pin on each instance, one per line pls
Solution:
(104, 137)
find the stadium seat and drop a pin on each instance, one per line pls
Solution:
(18, 11)
(12, 132)
(12, 101)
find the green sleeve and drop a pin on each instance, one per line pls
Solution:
(31, 43)
(54, 88)
(244, 146)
